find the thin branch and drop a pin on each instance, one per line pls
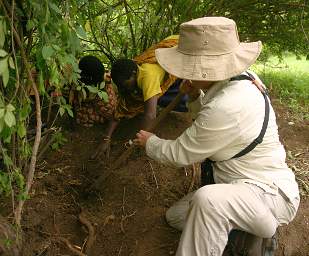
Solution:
(107, 9)
(96, 41)
(153, 174)
(301, 21)
(130, 25)
(36, 144)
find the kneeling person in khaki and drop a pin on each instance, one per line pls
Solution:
(235, 127)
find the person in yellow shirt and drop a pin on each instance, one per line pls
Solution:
(142, 85)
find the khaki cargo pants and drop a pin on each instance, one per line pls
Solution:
(207, 216)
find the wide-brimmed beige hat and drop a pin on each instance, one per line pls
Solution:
(209, 50)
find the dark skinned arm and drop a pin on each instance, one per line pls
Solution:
(150, 112)
(103, 149)
(111, 127)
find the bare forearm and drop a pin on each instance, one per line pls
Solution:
(147, 121)
(150, 113)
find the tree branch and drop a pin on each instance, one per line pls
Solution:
(130, 25)
(30, 175)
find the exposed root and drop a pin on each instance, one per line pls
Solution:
(91, 232)
(71, 247)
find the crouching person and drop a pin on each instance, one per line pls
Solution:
(235, 130)
(88, 106)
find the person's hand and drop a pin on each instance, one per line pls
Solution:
(142, 137)
(103, 150)
(186, 87)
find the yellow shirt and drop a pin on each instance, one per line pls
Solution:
(150, 77)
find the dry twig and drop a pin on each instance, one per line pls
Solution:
(196, 176)
(70, 246)
(153, 174)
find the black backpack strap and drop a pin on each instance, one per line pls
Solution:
(259, 138)
(242, 77)
(207, 177)
(206, 166)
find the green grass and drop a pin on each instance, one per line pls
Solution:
(289, 81)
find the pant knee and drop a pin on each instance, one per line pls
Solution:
(206, 197)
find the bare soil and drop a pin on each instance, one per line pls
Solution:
(128, 213)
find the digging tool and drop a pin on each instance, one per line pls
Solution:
(130, 149)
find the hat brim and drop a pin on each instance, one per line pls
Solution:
(208, 67)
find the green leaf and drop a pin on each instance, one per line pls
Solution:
(4, 71)
(23, 196)
(11, 63)
(5, 186)
(19, 179)
(70, 112)
(6, 134)
(3, 65)
(24, 112)
(92, 89)
(54, 7)
(63, 100)
(102, 85)
(75, 42)
(30, 25)
(10, 107)
(1, 124)
(61, 111)
(2, 110)
(54, 75)
(21, 130)
(81, 32)
(9, 119)
(7, 160)
(2, 32)
(5, 77)
(56, 47)
(47, 16)
(41, 84)
(3, 53)
(47, 52)
(103, 95)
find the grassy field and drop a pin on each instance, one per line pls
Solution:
(289, 81)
